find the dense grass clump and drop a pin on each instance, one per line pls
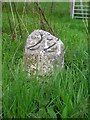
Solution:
(63, 93)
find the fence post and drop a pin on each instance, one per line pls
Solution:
(70, 7)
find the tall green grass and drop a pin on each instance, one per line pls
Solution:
(62, 94)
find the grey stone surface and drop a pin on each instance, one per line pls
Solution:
(43, 52)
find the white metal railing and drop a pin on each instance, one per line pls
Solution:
(79, 10)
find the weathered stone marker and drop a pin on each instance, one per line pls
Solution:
(43, 52)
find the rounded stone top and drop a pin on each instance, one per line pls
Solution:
(45, 49)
